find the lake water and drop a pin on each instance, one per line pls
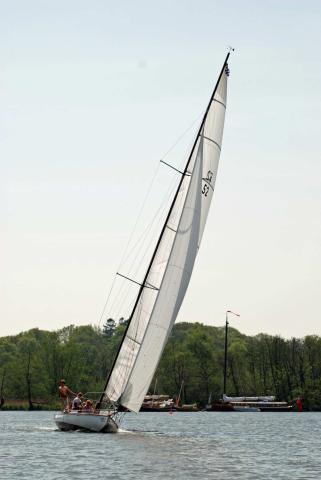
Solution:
(202, 445)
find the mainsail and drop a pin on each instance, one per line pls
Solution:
(170, 269)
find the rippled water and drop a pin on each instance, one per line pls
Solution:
(162, 446)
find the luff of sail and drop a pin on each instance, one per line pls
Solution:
(169, 274)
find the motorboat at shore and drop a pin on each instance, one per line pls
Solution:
(249, 404)
(264, 403)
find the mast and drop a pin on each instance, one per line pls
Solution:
(225, 347)
(163, 228)
(225, 354)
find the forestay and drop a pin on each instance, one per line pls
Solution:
(171, 268)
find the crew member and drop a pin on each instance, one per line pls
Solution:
(64, 394)
(77, 401)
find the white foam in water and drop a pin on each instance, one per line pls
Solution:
(46, 429)
(123, 430)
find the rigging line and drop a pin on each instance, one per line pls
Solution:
(143, 234)
(185, 155)
(140, 212)
(152, 239)
(120, 297)
(141, 253)
(121, 310)
(121, 294)
(107, 300)
(182, 135)
(134, 272)
(149, 227)
(129, 240)
(142, 239)
(165, 199)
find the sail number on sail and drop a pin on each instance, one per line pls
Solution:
(207, 180)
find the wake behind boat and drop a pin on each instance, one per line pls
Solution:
(163, 288)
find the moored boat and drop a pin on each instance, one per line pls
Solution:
(266, 403)
(263, 403)
(245, 408)
(157, 403)
(192, 407)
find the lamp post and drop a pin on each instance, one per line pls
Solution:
(225, 349)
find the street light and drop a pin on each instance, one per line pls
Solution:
(225, 351)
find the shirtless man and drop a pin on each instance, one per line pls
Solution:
(64, 393)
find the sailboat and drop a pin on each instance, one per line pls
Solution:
(163, 288)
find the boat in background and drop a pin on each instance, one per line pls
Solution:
(162, 403)
(245, 408)
(157, 403)
(187, 407)
(249, 404)
(258, 404)
(265, 403)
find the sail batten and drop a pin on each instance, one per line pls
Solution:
(215, 100)
(172, 263)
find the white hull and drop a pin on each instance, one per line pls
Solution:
(86, 421)
(245, 408)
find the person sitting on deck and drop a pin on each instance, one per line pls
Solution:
(88, 407)
(76, 404)
(64, 393)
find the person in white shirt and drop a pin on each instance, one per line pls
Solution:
(77, 401)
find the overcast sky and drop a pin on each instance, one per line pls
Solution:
(92, 94)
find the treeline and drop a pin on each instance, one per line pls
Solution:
(33, 362)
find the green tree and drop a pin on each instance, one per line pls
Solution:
(109, 327)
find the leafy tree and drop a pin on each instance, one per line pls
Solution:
(109, 327)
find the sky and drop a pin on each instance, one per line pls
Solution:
(92, 96)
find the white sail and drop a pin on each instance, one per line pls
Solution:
(171, 269)
(212, 138)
